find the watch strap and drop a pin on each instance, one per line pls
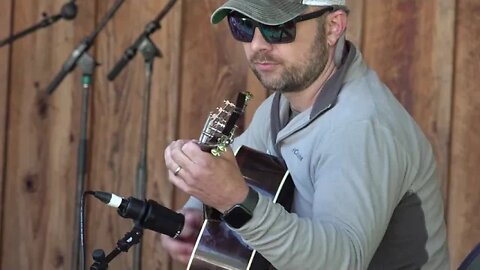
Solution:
(248, 204)
(251, 200)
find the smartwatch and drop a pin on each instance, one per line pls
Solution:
(240, 214)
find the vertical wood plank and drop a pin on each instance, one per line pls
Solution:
(164, 123)
(41, 151)
(213, 69)
(116, 124)
(5, 27)
(442, 77)
(355, 21)
(464, 187)
(413, 54)
(259, 95)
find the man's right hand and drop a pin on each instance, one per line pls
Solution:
(181, 247)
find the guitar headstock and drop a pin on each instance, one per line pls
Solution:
(219, 129)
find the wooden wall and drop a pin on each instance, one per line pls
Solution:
(464, 177)
(425, 51)
(5, 26)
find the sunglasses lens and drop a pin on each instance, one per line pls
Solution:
(275, 34)
(242, 28)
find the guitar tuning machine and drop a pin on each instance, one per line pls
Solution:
(228, 103)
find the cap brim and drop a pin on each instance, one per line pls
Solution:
(285, 11)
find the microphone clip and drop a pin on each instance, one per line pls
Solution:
(123, 245)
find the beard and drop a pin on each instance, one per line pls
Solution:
(299, 75)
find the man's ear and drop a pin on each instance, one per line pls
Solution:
(336, 24)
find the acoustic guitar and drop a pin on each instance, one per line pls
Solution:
(218, 246)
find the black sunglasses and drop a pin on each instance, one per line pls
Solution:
(243, 28)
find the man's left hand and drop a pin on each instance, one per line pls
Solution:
(216, 181)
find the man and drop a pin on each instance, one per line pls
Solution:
(366, 192)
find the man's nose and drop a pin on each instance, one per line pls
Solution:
(259, 43)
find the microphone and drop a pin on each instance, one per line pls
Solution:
(148, 214)
(69, 11)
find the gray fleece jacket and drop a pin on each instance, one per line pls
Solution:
(367, 195)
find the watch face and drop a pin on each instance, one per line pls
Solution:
(237, 216)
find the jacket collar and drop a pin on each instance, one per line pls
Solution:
(352, 67)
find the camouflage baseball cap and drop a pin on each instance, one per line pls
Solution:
(270, 12)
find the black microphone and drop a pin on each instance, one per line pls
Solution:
(148, 214)
(69, 10)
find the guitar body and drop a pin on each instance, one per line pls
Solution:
(219, 247)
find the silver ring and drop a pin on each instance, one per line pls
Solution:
(177, 170)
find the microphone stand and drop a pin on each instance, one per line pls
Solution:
(123, 245)
(88, 65)
(149, 52)
(68, 12)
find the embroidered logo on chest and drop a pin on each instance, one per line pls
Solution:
(297, 153)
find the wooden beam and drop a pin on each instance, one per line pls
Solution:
(213, 68)
(5, 53)
(412, 51)
(355, 22)
(163, 126)
(442, 77)
(40, 180)
(464, 186)
(259, 95)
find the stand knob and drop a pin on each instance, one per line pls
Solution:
(98, 255)
(99, 258)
